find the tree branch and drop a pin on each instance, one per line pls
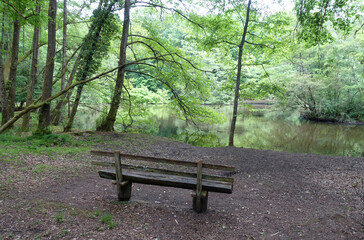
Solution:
(173, 10)
(259, 44)
(17, 11)
(186, 111)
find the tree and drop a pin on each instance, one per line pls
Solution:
(232, 28)
(3, 98)
(57, 110)
(238, 76)
(34, 69)
(108, 123)
(94, 46)
(13, 68)
(44, 113)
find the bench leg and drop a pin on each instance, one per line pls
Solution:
(124, 191)
(202, 205)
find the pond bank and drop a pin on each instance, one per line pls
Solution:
(277, 195)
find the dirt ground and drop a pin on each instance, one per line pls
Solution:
(277, 195)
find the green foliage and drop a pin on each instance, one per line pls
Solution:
(146, 96)
(328, 82)
(96, 43)
(330, 88)
(316, 18)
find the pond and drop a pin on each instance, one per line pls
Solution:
(255, 131)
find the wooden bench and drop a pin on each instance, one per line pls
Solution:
(191, 178)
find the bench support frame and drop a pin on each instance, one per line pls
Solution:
(123, 187)
(200, 204)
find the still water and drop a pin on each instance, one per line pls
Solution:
(255, 131)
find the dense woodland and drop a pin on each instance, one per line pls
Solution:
(121, 56)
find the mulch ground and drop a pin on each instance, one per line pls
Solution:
(277, 195)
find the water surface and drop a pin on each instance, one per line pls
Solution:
(255, 131)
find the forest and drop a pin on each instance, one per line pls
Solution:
(260, 103)
(121, 57)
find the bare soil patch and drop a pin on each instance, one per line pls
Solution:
(277, 195)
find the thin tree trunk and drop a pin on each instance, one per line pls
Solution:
(108, 123)
(58, 108)
(69, 82)
(66, 97)
(237, 87)
(28, 53)
(33, 71)
(44, 113)
(13, 68)
(74, 109)
(3, 98)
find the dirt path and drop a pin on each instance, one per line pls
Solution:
(276, 196)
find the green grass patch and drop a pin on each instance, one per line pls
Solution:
(12, 161)
(13, 144)
(108, 219)
(40, 168)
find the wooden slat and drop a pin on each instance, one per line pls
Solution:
(165, 160)
(199, 186)
(168, 180)
(164, 171)
(119, 174)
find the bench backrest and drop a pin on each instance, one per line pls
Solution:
(199, 165)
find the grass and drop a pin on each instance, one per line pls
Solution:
(108, 219)
(40, 168)
(13, 144)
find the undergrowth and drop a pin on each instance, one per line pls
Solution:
(12, 144)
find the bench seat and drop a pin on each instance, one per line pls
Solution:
(167, 180)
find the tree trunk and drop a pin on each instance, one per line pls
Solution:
(237, 87)
(69, 82)
(108, 122)
(7, 62)
(13, 68)
(3, 98)
(66, 97)
(58, 108)
(74, 109)
(44, 113)
(5, 40)
(88, 58)
(33, 71)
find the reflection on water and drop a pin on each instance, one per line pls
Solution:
(260, 133)
(263, 133)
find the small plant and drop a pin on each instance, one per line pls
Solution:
(97, 213)
(108, 218)
(59, 217)
(63, 233)
(112, 224)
